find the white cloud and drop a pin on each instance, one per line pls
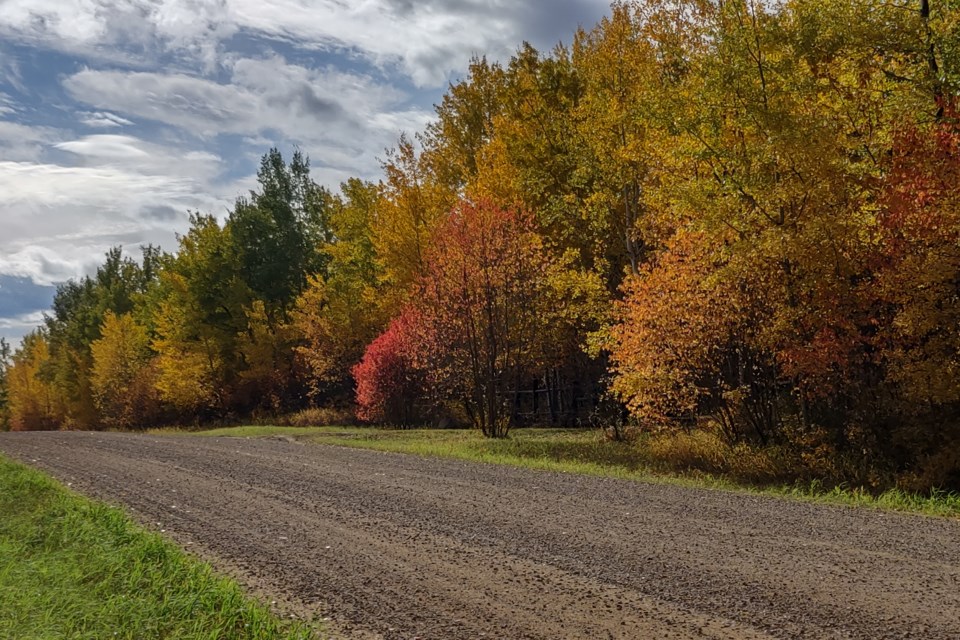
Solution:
(341, 119)
(6, 104)
(103, 120)
(200, 106)
(129, 31)
(26, 320)
(24, 142)
(148, 159)
(41, 264)
(428, 39)
(58, 220)
(105, 146)
(65, 20)
(14, 328)
(10, 72)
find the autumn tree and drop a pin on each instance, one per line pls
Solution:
(268, 377)
(34, 401)
(918, 276)
(390, 385)
(536, 157)
(617, 65)
(123, 375)
(411, 203)
(465, 122)
(198, 319)
(480, 302)
(679, 354)
(914, 293)
(777, 235)
(5, 363)
(336, 317)
(74, 322)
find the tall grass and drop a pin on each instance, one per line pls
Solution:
(698, 458)
(74, 568)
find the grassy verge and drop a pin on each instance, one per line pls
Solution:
(74, 568)
(696, 461)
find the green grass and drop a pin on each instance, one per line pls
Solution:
(678, 461)
(74, 568)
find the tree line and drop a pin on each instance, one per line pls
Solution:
(729, 215)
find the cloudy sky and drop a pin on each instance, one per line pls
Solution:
(118, 116)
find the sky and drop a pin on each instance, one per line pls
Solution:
(117, 117)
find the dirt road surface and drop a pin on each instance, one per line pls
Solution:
(397, 546)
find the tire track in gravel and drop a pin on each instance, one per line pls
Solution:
(397, 546)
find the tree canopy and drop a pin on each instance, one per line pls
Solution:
(736, 216)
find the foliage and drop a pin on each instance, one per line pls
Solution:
(736, 218)
(389, 383)
(123, 374)
(5, 354)
(678, 350)
(337, 317)
(268, 374)
(279, 233)
(919, 266)
(323, 416)
(479, 300)
(79, 308)
(198, 319)
(34, 401)
(412, 203)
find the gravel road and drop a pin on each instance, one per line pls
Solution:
(394, 546)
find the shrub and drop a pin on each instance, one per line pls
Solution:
(320, 417)
(389, 384)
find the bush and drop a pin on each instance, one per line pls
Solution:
(708, 452)
(389, 384)
(319, 417)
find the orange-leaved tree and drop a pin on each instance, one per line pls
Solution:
(920, 262)
(683, 347)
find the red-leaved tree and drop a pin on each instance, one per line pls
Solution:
(389, 384)
(919, 274)
(481, 302)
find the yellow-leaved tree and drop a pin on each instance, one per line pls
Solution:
(188, 367)
(123, 376)
(267, 349)
(33, 400)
